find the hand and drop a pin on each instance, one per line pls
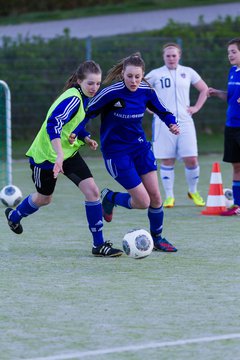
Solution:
(212, 92)
(192, 110)
(174, 128)
(221, 94)
(72, 138)
(91, 143)
(58, 166)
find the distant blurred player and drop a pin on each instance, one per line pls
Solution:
(172, 83)
(232, 126)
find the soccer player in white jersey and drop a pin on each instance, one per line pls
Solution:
(172, 83)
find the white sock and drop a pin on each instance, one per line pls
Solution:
(167, 177)
(192, 177)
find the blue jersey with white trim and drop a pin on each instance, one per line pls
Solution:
(233, 98)
(122, 112)
(61, 115)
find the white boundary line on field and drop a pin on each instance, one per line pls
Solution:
(82, 354)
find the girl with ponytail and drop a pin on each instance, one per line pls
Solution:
(52, 154)
(127, 153)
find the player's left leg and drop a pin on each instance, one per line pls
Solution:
(188, 151)
(24, 209)
(45, 185)
(236, 183)
(232, 155)
(167, 175)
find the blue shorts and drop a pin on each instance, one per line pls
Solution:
(127, 169)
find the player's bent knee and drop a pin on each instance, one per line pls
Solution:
(92, 193)
(141, 204)
(44, 201)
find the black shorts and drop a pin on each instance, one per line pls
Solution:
(74, 168)
(231, 144)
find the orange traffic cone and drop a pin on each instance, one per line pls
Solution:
(216, 200)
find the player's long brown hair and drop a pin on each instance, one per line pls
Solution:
(85, 68)
(115, 73)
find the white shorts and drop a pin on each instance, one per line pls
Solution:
(169, 146)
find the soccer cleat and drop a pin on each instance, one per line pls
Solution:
(196, 198)
(162, 244)
(169, 202)
(15, 227)
(106, 249)
(107, 206)
(233, 210)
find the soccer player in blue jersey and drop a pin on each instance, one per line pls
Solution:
(51, 154)
(232, 126)
(127, 153)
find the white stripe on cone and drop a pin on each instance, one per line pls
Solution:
(216, 178)
(216, 200)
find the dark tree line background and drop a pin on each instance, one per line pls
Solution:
(36, 69)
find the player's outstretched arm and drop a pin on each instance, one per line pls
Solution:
(221, 94)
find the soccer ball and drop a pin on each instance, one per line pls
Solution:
(11, 195)
(228, 197)
(138, 243)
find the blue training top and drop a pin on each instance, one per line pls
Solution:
(233, 97)
(122, 113)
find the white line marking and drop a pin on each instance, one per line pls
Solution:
(82, 354)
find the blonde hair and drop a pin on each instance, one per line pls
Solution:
(115, 73)
(172, 44)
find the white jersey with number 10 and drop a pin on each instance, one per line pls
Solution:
(173, 87)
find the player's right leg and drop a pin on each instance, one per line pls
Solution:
(164, 148)
(136, 198)
(76, 169)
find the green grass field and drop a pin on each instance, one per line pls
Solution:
(57, 301)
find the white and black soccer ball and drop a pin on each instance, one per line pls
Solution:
(11, 195)
(138, 244)
(228, 194)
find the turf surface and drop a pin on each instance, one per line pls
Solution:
(59, 302)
